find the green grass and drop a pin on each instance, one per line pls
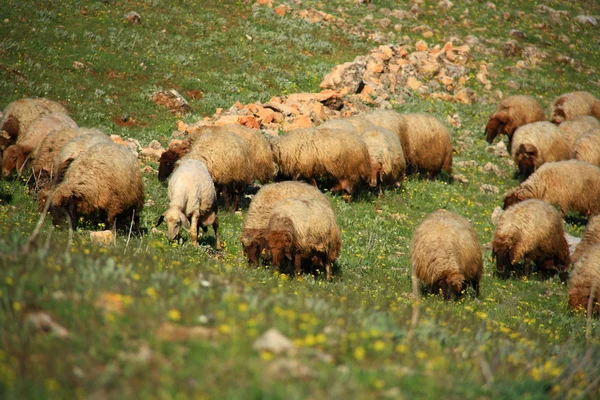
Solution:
(516, 341)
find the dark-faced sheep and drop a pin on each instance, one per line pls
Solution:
(537, 143)
(445, 254)
(103, 181)
(512, 113)
(531, 232)
(16, 155)
(18, 115)
(225, 155)
(303, 231)
(425, 140)
(192, 197)
(584, 282)
(260, 208)
(587, 147)
(571, 105)
(572, 129)
(261, 157)
(571, 185)
(591, 237)
(330, 154)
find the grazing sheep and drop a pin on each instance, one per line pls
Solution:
(225, 155)
(584, 283)
(571, 185)
(571, 105)
(16, 156)
(261, 157)
(572, 129)
(590, 238)
(18, 115)
(425, 140)
(331, 154)
(537, 143)
(445, 254)
(105, 181)
(303, 230)
(587, 147)
(360, 123)
(512, 113)
(192, 196)
(531, 231)
(341, 124)
(260, 209)
(387, 160)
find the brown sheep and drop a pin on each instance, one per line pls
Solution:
(18, 115)
(572, 129)
(360, 123)
(571, 185)
(225, 155)
(571, 105)
(425, 140)
(531, 231)
(591, 237)
(537, 143)
(584, 283)
(512, 113)
(587, 147)
(387, 159)
(331, 154)
(16, 156)
(104, 180)
(261, 161)
(445, 254)
(596, 109)
(260, 209)
(342, 124)
(303, 231)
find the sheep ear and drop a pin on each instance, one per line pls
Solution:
(184, 222)
(160, 220)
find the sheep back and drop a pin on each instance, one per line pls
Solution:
(18, 115)
(537, 143)
(572, 129)
(571, 105)
(584, 282)
(591, 237)
(341, 124)
(191, 189)
(531, 231)
(512, 113)
(445, 254)
(360, 123)
(587, 147)
(387, 159)
(572, 185)
(74, 148)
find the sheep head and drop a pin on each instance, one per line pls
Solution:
(527, 155)
(579, 300)
(251, 245)
(504, 261)
(280, 245)
(512, 197)
(167, 164)
(14, 157)
(175, 220)
(452, 286)
(495, 126)
(64, 207)
(376, 172)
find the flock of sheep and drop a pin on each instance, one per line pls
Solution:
(81, 172)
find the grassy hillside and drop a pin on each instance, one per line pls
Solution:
(125, 314)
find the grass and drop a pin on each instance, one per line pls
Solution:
(516, 341)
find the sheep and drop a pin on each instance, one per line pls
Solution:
(192, 196)
(224, 154)
(387, 159)
(571, 185)
(587, 147)
(591, 237)
(16, 155)
(537, 143)
(105, 179)
(512, 113)
(572, 129)
(531, 231)
(303, 230)
(445, 254)
(570, 105)
(331, 154)
(261, 161)
(360, 123)
(342, 124)
(584, 283)
(425, 140)
(18, 115)
(260, 209)
(596, 109)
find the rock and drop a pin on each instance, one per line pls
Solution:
(102, 237)
(345, 78)
(465, 96)
(174, 333)
(150, 154)
(586, 19)
(413, 83)
(268, 3)
(281, 10)
(498, 149)
(288, 368)
(466, 164)
(172, 100)
(43, 322)
(460, 178)
(303, 121)
(274, 342)
(489, 167)
(227, 120)
(155, 144)
(249, 121)
(445, 4)
(133, 18)
(486, 188)
(496, 214)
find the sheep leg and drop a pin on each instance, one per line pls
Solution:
(194, 228)
(328, 271)
(215, 226)
(298, 264)
(475, 283)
